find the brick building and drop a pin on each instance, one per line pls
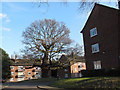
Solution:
(71, 69)
(24, 70)
(101, 35)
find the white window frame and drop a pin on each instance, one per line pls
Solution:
(39, 68)
(93, 32)
(12, 67)
(20, 79)
(95, 48)
(97, 65)
(75, 69)
(79, 63)
(29, 73)
(75, 63)
(12, 73)
(11, 79)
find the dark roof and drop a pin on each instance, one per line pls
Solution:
(64, 58)
(25, 62)
(97, 5)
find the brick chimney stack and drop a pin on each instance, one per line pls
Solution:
(15, 58)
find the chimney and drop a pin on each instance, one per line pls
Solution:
(15, 58)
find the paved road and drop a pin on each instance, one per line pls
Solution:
(20, 86)
(27, 86)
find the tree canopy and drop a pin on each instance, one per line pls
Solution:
(5, 64)
(44, 39)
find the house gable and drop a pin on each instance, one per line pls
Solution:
(105, 20)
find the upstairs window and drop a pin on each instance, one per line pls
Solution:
(95, 48)
(29, 73)
(75, 69)
(11, 79)
(12, 67)
(93, 32)
(12, 73)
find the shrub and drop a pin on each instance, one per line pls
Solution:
(101, 72)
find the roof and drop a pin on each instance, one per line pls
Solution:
(97, 5)
(25, 62)
(64, 58)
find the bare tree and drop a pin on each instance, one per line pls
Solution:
(83, 4)
(46, 38)
(74, 53)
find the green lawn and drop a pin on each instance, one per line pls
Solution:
(89, 82)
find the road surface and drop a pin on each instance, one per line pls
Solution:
(27, 86)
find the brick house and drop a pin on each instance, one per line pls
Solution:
(71, 69)
(101, 35)
(22, 69)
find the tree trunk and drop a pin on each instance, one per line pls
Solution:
(45, 67)
(45, 71)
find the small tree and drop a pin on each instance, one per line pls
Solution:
(45, 39)
(5, 64)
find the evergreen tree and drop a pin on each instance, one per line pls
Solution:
(5, 64)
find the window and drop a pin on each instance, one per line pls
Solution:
(95, 48)
(80, 74)
(36, 67)
(20, 79)
(12, 79)
(12, 73)
(66, 70)
(12, 67)
(20, 68)
(75, 63)
(79, 63)
(66, 75)
(75, 69)
(97, 64)
(93, 32)
(39, 68)
(81, 66)
(29, 73)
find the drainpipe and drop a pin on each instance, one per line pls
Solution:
(119, 33)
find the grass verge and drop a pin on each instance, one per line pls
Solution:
(89, 82)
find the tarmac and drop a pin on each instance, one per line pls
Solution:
(29, 86)
(44, 87)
